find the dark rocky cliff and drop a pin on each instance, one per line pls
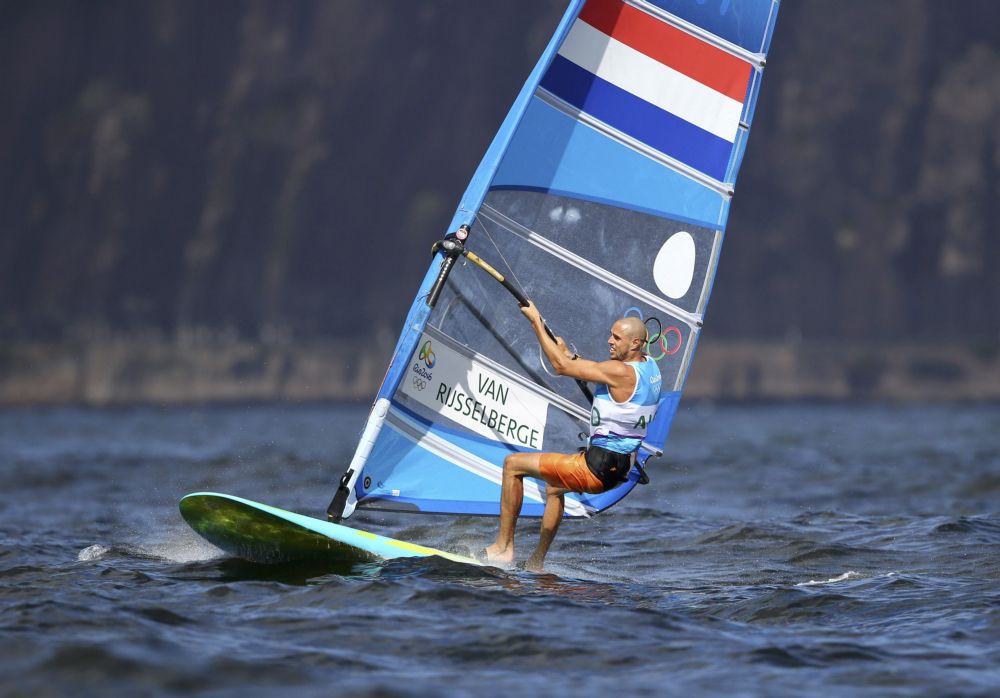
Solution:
(239, 165)
(175, 169)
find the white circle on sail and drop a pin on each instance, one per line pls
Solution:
(673, 268)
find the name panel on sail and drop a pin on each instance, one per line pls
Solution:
(473, 396)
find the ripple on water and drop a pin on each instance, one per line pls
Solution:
(768, 575)
(980, 529)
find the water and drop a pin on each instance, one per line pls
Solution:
(780, 550)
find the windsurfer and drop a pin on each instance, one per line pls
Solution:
(627, 393)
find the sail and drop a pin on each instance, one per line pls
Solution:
(604, 194)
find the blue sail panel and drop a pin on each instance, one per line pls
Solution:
(553, 152)
(419, 466)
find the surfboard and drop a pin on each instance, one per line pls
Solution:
(265, 534)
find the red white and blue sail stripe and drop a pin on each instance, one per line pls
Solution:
(665, 88)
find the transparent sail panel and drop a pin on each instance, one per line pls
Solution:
(578, 299)
(672, 261)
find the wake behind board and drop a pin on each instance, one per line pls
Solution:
(261, 533)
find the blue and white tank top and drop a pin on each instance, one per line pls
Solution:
(621, 426)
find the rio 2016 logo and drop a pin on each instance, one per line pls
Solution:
(422, 375)
(427, 355)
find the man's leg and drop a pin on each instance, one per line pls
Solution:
(555, 499)
(515, 467)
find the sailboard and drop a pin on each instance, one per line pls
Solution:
(604, 194)
(265, 534)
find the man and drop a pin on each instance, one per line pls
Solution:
(625, 400)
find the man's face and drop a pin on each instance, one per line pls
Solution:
(618, 342)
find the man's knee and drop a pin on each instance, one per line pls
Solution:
(510, 465)
(520, 464)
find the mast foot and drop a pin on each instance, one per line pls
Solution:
(335, 512)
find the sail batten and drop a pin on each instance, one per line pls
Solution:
(604, 194)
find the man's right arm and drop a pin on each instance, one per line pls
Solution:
(614, 374)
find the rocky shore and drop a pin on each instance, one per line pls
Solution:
(126, 370)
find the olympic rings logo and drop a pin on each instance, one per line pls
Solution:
(668, 339)
(667, 348)
(419, 383)
(427, 355)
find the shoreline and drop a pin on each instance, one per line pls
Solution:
(129, 371)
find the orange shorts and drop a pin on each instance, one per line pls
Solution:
(569, 470)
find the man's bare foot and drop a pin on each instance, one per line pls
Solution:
(494, 553)
(533, 564)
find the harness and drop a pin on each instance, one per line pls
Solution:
(609, 467)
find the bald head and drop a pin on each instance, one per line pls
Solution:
(622, 342)
(633, 328)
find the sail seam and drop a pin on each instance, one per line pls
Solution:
(630, 142)
(555, 399)
(757, 60)
(467, 461)
(588, 267)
